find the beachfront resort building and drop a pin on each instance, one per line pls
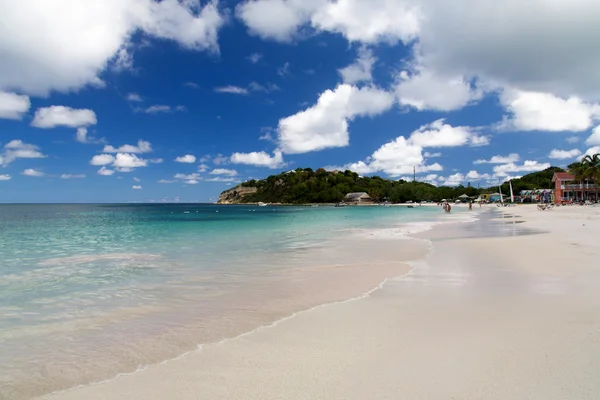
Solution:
(567, 188)
(358, 198)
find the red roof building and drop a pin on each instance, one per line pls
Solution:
(568, 189)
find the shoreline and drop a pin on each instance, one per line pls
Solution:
(405, 267)
(387, 261)
(432, 321)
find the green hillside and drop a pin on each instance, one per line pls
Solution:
(307, 186)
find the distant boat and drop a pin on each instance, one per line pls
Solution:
(340, 204)
(261, 204)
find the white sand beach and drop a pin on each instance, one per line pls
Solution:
(509, 317)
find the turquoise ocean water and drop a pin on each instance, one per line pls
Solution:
(79, 280)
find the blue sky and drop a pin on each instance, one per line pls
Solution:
(139, 100)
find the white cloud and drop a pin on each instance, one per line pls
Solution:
(135, 179)
(166, 181)
(431, 155)
(156, 161)
(33, 172)
(125, 162)
(254, 58)
(53, 116)
(81, 42)
(511, 158)
(452, 180)
(592, 150)
(396, 158)
(105, 171)
(5, 177)
(17, 149)
(531, 111)
(187, 176)
(259, 159)
(188, 158)
(424, 90)
(220, 159)
(458, 39)
(81, 135)
(221, 179)
(564, 154)
(325, 124)
(136, 187)
(102, 159)
(157, 108)
(369, 22)
(439, 134)
(528, 166)
(594, 138)
(223, 171)
(360, 70)
(572, 139)
(476, 176)
(203, 167)
(72, 176)
(13, 106)
(233, 90)
(142, 147)
(134, 97)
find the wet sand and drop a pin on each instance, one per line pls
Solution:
(504, 308)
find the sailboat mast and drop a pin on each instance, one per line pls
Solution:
(512, 196)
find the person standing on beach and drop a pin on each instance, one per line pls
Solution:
(470, 206)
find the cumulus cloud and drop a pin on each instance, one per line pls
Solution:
(259, 159)
(440, 134)
(511, 158)
(592, 151)
(13, 106)
(33, 172)
(503, 170)
(325, 124)
(160, 108)
(142, 147)
(476, 176)
(94, 39)
(223, 171)
(532, 111)
(189, 179)
(377, 20)
(136, 187)
(572, 139)
(188, 158)
(564, 154)
(105, 171)
(5, 177)
(53, 116)
(72, 176)
(18, 149)
(594, 138)
(360, 70)
(244, 91)
(123, 162)
(424, 90)
(126, 162)
(102, 159)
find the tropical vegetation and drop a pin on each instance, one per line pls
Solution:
(587, 169)
(303, 185)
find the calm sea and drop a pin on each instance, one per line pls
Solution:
(91, 291)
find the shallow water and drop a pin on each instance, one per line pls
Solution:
(89, 291)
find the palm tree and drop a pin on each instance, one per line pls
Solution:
(591, 167)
